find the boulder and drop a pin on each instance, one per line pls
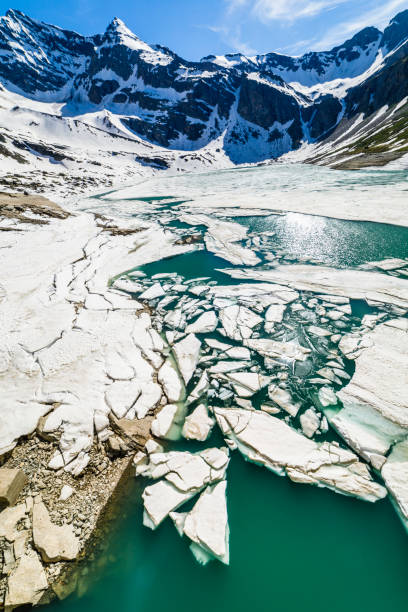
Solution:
(53, 542)
(26, 583)
(133, 433)
(12, 482)
(9, 518)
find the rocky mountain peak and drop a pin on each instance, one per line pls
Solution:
(117, 33)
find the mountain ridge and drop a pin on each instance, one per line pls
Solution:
(255, 108)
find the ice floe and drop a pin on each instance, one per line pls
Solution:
(268, 441)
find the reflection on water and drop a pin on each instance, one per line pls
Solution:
(333, 241)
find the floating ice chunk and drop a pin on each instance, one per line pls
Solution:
(205, 323)
(185, 474)
(221, 239)
(234, 253)
(187, 353)
(239, 352)
(207, 525)
(320, 332)
(198, 424)
(168, 422)
(200, 388)
(170, 381)
(388, 264)
(381, 375)
(335, 315)
(327, 397)
(328, 374)
(310, 422)
(248, 383)
(366, 431)
(273, 348)
(239, 321)
(227, 366)
(284, 400)
(176, 319)
(264, 294)
(128, 285)
(275, 312)
(216, 344)
(395, 474)
(153, 292)
(268, 441)
(355, 284)
(160, 499)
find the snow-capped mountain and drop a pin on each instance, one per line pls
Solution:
(114, 95)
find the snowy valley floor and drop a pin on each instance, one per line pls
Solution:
(137, 323)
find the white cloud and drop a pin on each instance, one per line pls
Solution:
(378, 16)
(360, 13)
(288, 10)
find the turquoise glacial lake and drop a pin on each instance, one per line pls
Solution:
(293, 548)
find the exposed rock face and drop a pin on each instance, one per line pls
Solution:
(54, 543)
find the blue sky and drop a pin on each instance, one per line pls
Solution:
(194, 28)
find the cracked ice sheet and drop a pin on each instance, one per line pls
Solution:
(29, 319)
(355, 284)
(381, 376)
(48, 269)
(268, 441)
(184, 475)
